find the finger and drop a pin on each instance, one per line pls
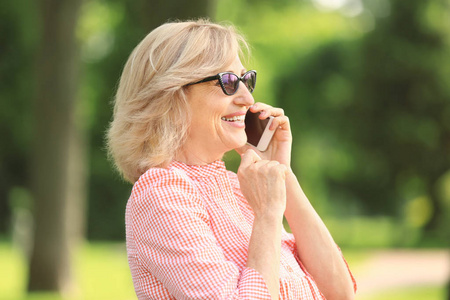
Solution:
(272, 163)
(282, 170)
(271, 166)
(260, 107)
(276, 112)
(241, 150)
(280, 122)
(266, 110)
(266, 163)
(248, 158)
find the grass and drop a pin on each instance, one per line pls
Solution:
(412, 293)
(102, 272)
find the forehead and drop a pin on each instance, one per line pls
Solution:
(236, 66)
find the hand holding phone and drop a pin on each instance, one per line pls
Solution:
(257, 130)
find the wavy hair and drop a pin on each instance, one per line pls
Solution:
(151, 112)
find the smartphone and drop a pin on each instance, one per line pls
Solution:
(257, 130)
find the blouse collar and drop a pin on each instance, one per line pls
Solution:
(215, 168)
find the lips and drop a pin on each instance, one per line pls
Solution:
(239, 118)
(234, 117)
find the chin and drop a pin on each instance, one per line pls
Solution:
(240, 143)
(235, 142)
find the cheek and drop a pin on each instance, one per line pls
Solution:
(214, 125)
(207, 110)
(211, 117)
(206, 122)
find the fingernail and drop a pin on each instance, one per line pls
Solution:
(272, 127)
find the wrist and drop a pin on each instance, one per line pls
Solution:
(270, 217)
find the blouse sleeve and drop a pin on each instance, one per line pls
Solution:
(290, 241)
(168, 235)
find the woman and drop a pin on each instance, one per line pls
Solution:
(194, 229)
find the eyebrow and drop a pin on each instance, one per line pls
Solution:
(243, 71)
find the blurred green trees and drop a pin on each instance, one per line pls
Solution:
(118, 26)
(62, 114)
(57, 165)
(376, 113)
(365, 87)
(18, 37)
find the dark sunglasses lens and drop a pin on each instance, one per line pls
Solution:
(250, 81)
(230, 83)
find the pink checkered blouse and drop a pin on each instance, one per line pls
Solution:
(188, 229)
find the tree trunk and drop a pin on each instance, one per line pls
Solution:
(58, 169)
(51, 174)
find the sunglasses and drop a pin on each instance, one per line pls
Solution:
(230, 81)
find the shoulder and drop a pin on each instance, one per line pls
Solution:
(162, 185)
(161, 177)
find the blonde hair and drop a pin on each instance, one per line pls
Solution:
(151, 111)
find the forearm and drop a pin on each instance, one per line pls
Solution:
(315, 246)
(264, 250)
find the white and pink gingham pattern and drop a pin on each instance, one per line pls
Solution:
(188, 229)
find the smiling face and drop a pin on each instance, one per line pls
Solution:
(217, 119)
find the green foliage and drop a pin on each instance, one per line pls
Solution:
(367, 96)
(369, 118)
(18, 39)
(107, 41)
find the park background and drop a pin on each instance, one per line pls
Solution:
(364, 82)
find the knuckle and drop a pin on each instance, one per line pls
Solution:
(281, 168)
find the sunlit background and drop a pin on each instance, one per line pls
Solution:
(365, 83)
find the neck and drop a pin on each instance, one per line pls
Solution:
(191, 157)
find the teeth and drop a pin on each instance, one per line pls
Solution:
(234, 119)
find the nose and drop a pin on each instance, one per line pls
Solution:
(243, 97)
